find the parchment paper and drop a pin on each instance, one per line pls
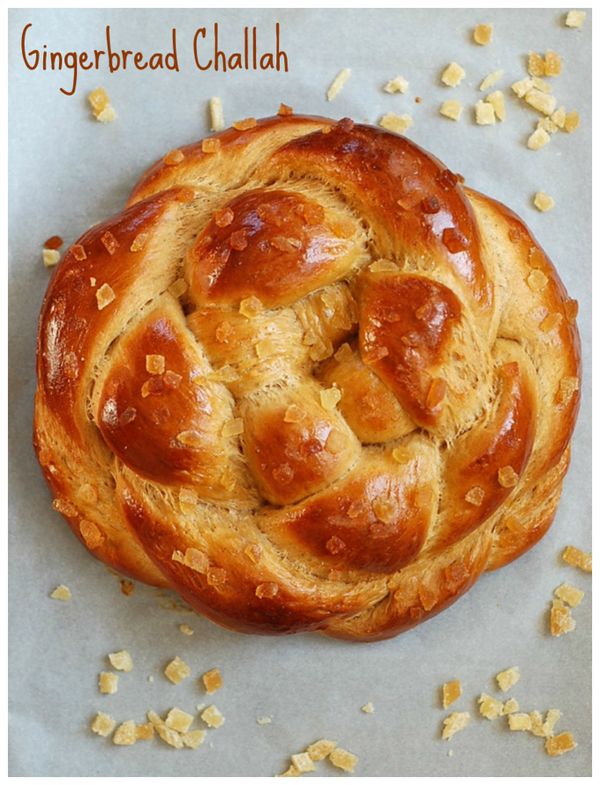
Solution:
(67, 172)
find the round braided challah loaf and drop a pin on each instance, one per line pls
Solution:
(308, 380)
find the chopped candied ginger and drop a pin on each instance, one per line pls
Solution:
(251, 307)
(212, 717)
(139, 242)
(496, 99)
(338, 83)
(101, 106)
(482, 34)
(144, 731)
(510, 706)
(542, 102)
(330, 398)
(535, 64)
(186, 629)
(575, 19)
(193, 558)
(320, 749)
(155, 363)
(342, 759)
(537, 280)
(212, 680)
(550, 322)
(103, 724)
(484, 113)
(475, 496)
(490, 707)
(217, 121)
(386, 510)
(567, 387)
(561, 620)
(109, 241)
(519, 721)
(245, 124)
(294, 414)
(125, 734)
(543, 202)
(507, 477)
(104, 296)
(576, 557)
(451, 691)
(558, 745)
(50, 257)
(173, 157)
(491, 80)
(179, 720)
(91, 534)
(396, 85)
(336, 441)
(396, 123)
(508, 678)
(233, 427)
(538, 139)
(193, 738)
(454, 723)
(368, 708)
(62, 593)
(451, 109)
(571, 121)
(453, 75)
(285, 110)
(188, 500)
(302, 762)
(210, 145)
(177, 670)
(121, 661)
(191, 439)
(266, 590)
(108, 683)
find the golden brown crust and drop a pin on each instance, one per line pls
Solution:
(307, 380)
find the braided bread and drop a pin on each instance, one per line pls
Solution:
(308, 380)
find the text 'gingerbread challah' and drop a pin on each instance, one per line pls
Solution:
(308, 380)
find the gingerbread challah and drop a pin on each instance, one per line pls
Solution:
(308, 380)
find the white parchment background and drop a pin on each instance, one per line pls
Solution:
(67, 172)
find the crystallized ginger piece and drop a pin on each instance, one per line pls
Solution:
(303, 762)
(519, 721)
(538, 139)
(543, 102)
(543, 202)
(330, 398)
(558, 745)
(104, 296)
(193, 738)
(217, 121)
(489, 707)
(121, 661)
(396, 85)
(108, 683)
(178, 720)
(484, 113)
(451, 109)
(212, 717)
(454, 723)
(574, 556)
(186, 629)
(535, 64)
(508, 678)
(177, 670)
(575, 19)
(103, 724)
(453, 75)
(368, 708)
(561, 620)
(571, 121)
(451, 691)
(338, 83)
(510, 706)
(482, 34)
(569, 594)
(475, 496)
(320, 749)
(62, 593)
(50, 257)
(343, 759)
(496, 99)
(155, 363)
(125, 735)
(491, 80)
(507, 477)
(212, 680)
(398, 124)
